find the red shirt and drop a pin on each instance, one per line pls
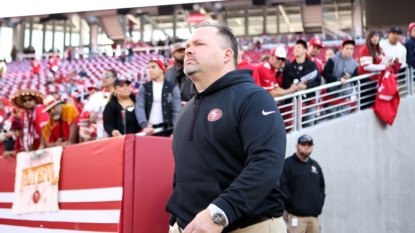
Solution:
(36, 66)
(319, 64)
(266, 76)
(245, 65)
(366, 59)
(53, 61)
(40, 121)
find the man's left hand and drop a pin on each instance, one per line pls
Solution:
(202, 223)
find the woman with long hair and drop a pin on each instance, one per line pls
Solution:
(330, 52)
(119, 114)
(371, 59)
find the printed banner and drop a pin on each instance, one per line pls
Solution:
(37, 179)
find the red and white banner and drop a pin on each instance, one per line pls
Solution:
(36, 181)
(90, 192)
(196, 18)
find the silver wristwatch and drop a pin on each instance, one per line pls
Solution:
(218, 218)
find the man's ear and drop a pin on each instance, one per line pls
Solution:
(228, 55)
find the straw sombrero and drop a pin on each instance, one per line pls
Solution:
(17, 98)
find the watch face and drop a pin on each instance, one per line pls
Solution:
(219, 219)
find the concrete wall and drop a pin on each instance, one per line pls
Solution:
(386, 13)
(369, 171)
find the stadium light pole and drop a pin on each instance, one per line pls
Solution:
(30, 32)
(22, 34)
(246, 19)
(277, 12)
(53, 34)
(81, 34)
(175, 24)
(142, 22)
(264, 19)
(44, 37)
(65, 25)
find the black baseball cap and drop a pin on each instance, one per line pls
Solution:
(120, 81)
(348, 41)
(305, 139)
(396, 29)
(302, 42)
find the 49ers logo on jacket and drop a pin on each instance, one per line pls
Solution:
(215, 115)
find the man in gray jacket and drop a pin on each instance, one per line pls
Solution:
(341, 67)
(158, 101)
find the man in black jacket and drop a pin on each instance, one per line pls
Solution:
(158, 101)
(302, 181)
(229, 144)
(410, 46)
(303, 72)
(176, 75)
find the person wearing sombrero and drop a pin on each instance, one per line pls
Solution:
(32, 118)
(62, 128)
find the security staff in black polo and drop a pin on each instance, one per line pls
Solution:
(302, 181)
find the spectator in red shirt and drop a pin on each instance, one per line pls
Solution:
(371, 59)
(74, 101)
(313, 51)
(268, 74)
(243, 64)
(36, 65)
(32, 117)
(54, 63)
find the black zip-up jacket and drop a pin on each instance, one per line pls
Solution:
(291, 72)
(113, 117)
(303, 184)
(410, 51)
(228, 144)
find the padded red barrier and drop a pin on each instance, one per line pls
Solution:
(86, 169)
(143, 166)
(153, 183)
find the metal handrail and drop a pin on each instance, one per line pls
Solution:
(326, 86)
(296, 116)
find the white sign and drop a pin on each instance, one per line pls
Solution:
(37, 181)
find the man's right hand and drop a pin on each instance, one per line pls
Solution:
(115, 133)
(388, 64)
(62, 143)
(93, 117)
(148, 131)
(8, 154)
(302, 86)
(346, 75)
(293, 88)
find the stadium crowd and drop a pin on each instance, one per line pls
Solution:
(29, 120)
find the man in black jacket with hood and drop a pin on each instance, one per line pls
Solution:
(229, 144)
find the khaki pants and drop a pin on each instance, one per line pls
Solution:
(273, 225)
(304, 225)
